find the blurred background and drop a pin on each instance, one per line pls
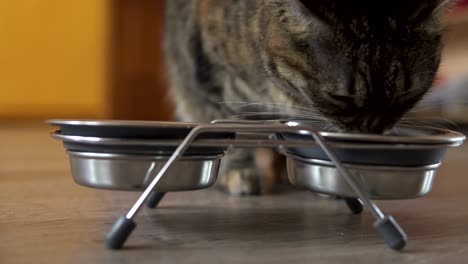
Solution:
(102, 59)
(81, 59)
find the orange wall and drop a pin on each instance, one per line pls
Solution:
(52, 58)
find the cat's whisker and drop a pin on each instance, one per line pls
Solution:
(291, 115)
(270, 105)
(435, 118)
(426, 106)
(415, 110)
(425, 60)
(422, 124)
(300, 97)
(329, 128)
(290, 112)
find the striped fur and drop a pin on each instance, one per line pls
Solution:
(360, 65)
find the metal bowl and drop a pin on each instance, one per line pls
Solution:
(129, 129)
(380, 182)
(387, 166)
(410, 147)
(134, 172)
(146, 147)
(398, 135)
(131, 137)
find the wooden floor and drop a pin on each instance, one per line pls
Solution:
(46, 218)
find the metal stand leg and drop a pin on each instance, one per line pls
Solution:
(119, 233)
(354, 204)
(385, 225)
(124, 226)
(154, 199)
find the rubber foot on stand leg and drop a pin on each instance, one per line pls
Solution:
(354, 204)
(154, 199)
(119, 233)
(391, 232)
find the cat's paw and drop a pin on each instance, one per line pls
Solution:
(241, 182)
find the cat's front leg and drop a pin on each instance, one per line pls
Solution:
(250, 172)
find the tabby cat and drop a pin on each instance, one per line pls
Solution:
(358, 64)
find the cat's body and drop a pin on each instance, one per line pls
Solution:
(360, 65)
(215, 63)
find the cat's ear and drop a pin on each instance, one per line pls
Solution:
(313, 12)
(443, 6)
(428, 10)
(313, 9)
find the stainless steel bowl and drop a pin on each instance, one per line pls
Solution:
(410, 147)
(380, 182)
(399, 166)
(128, 129)
(134, 173)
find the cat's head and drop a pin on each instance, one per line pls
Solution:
(361, 64)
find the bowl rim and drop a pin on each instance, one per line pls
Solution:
(443, 136)
(326, 163)
(109, 156)
(121, 123)
(102, 141)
